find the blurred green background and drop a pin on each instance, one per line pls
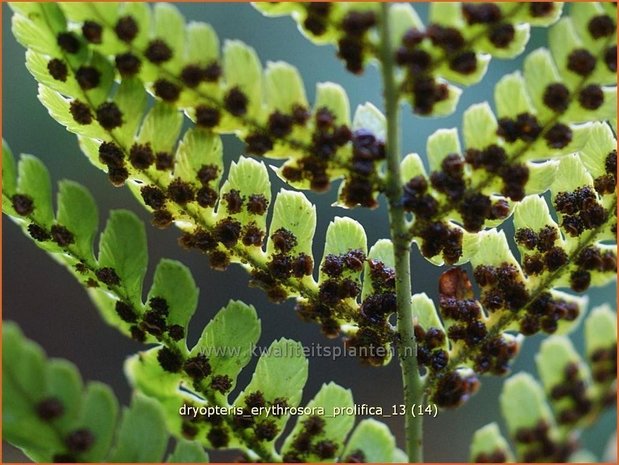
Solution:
(52, 308)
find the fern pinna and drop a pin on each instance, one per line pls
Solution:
(123, 77)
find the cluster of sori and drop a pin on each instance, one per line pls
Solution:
(574, 391)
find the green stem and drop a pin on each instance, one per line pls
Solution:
(407, 348)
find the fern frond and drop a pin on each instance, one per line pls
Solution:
(572, 250)
(173, 374)
(338, 300)
(256, 418)
(544, 420)
(549, 111)
(114, 278)
(523, 294)
(223, 93)
(52, 417)
(456, 46)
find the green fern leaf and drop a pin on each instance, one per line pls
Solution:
(370, 441)
(556, 358)
(77, 211)
(122, 251)
(9, 178)
(174, 283)
(99, 414)
(524, 392)
(65, 383)
(335, 424)
(599, 329)
(569, 399)
(188, 452)
(142, 436)
(34, 182)
(51, 416)
(231, 335)
(281, 373)
(490, 446)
